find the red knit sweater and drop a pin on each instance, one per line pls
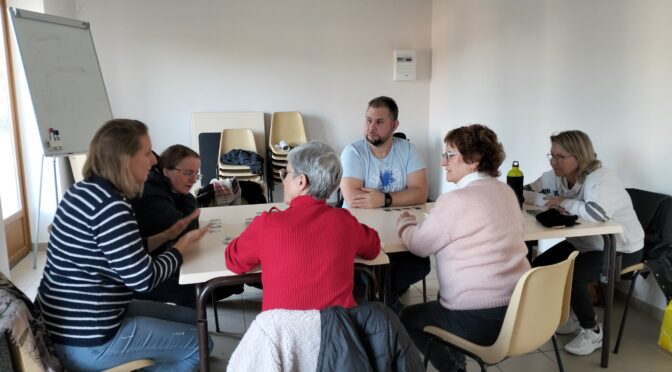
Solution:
(306, 253)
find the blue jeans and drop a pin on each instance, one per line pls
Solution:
(152, 330)
(478, 326)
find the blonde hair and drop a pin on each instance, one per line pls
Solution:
(580, 146)
(110, 151)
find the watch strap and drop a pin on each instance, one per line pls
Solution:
(388, 200)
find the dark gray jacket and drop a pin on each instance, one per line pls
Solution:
(369, 337)
(654, 212)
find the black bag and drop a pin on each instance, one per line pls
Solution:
(553, 218)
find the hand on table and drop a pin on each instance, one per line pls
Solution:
(554, 202)
(368, 198)
(405, 220)
(192, 236)
(178, 227)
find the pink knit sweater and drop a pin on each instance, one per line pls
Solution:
(476, 233)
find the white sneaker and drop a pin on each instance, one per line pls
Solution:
(585, 343)
(571, 325)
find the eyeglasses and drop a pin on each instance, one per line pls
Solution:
(447, 155)
(188, 173)
(283, 173)
(558, 158)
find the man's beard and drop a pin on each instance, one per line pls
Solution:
(376, 142)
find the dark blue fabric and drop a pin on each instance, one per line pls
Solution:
(244, 157)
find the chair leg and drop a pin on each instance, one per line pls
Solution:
(429, 347)
(557, 353)
(214, 307)
(424, 290)
(625, 311)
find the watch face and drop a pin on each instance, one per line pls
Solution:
(388, 200)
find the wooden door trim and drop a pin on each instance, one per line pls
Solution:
(13, 111)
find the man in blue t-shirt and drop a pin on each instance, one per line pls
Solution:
(381, 170)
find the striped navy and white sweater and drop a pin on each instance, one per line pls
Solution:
(95, 261)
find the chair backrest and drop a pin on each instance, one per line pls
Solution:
(539, 304)
(286, 126)
(401, 135)
(654, 212)
(239, 138)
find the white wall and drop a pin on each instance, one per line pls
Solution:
(162, 60)
(528, 68)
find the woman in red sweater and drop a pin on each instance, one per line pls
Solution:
(307, 251)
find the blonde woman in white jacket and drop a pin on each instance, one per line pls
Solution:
(579, 185)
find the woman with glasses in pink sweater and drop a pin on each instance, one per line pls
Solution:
(476, 234)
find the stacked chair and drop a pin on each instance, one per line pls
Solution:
(232, 139)
(286, 127)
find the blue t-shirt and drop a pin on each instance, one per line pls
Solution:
(388, 174)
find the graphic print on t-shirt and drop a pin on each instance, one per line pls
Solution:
(389, 180)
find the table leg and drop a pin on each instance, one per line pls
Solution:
(202, 327)
(610, 270)
(385, 286)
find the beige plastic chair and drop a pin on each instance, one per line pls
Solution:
(286, 126)
(539, 304)
(231, 139)
(133, 365)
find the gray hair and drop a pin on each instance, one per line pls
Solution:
(321, 166)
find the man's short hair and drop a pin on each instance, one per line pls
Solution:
(388, 102)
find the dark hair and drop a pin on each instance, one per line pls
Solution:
(388, 102)
(110, 151)
(478, 143)
(173, 155)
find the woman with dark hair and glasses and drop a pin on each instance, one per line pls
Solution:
(476, 234)
(579, 185)
(166, 197)
(165, 201)
(306, 252)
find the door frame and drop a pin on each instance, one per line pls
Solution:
(17, 225)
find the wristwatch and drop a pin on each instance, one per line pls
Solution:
(388, 200)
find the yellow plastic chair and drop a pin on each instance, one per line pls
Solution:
(286, 126)
(133, 365)
(231, 139)
(539, 304)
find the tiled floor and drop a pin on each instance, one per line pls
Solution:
(639, 350)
